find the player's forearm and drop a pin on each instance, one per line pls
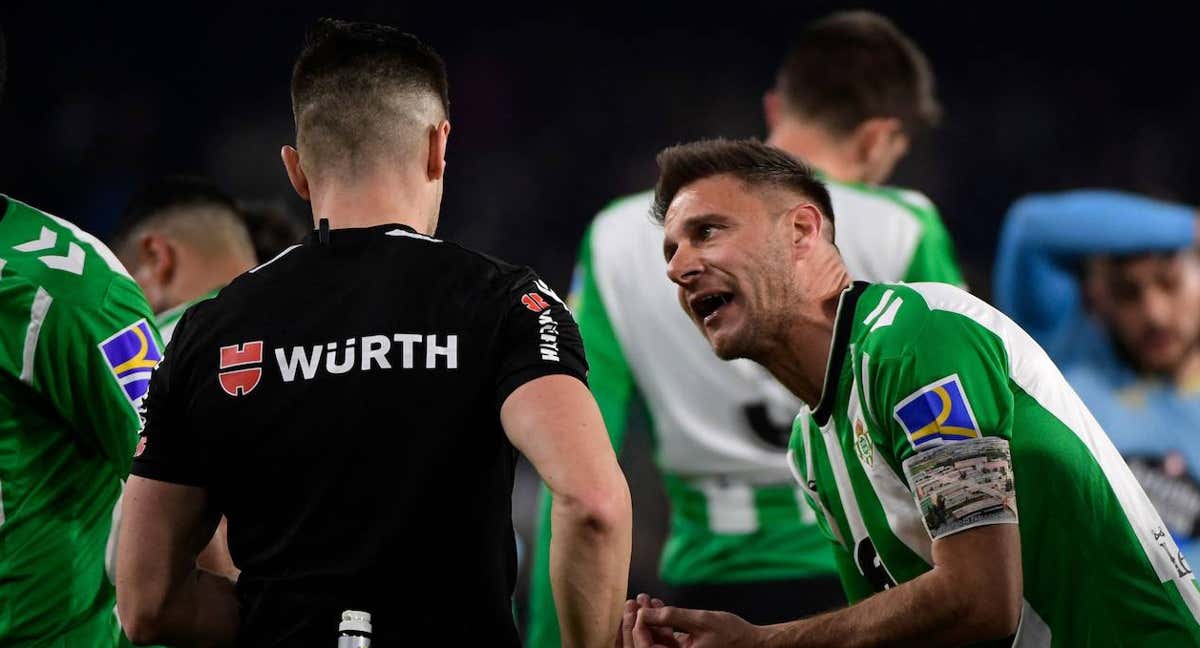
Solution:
(200, 612)
(589, 565)
(930, 610)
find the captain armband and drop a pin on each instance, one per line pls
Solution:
(962, 485)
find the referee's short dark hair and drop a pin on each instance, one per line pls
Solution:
(748, 160)
(852, 66)
(361, 91)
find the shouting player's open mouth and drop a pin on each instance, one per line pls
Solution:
(708, 305)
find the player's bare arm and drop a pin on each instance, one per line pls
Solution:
(162, 596)
(555, 423)
(973, 593)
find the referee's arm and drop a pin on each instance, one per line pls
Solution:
(553, 420)
(163, 597)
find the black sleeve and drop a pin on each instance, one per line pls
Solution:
(167, 450)
(538, 337)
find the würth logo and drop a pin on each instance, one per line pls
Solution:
(238, 379)
(535, 302)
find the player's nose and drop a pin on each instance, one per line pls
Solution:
(684, 266)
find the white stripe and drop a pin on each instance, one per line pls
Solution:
(37, 316)
(841, 476)
(276, 258)
(903, 517)
(135, 376)
(1033, 371)
(883, 301)
(2, 262)
(730, 505)
(413, 235)
(806, 435)
(889, 315)
(866, 385)
(1032, 631)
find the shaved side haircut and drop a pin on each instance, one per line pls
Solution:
(190, 209)
(364, 93)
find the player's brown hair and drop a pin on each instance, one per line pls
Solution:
(852, 66)
(361, 89)
(748, 160)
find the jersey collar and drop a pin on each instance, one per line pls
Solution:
(358, 233)
(843, 323)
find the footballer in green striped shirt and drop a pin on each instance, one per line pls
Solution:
(967, 492)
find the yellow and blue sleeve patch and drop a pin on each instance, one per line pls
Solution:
(936, 413)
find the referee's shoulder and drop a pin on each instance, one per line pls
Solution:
(503, 274)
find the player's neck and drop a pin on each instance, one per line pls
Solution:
(799, 358)
(381, 198)
(816, 147)
(205, 278)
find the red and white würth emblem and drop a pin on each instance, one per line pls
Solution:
(236, 378)
(535, 302)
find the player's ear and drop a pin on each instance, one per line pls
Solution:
(158, 258)
(772, 108)
(438, 138)
(806, 225)
(291, 162)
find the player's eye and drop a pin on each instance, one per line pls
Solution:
(706, 232)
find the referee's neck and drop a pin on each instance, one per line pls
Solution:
(377, 199)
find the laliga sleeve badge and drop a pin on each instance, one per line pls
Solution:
(131, 354)
(936, 413)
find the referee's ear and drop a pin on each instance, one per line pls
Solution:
(291, 162)
(436, 165)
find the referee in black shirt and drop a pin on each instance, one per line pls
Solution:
(354, 406)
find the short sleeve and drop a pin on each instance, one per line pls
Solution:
(93, 362)
(166, 451)
(537, 337)
(945, 407)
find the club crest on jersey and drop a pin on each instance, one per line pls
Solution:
(131, 354)
(862, 444)
(237, 376)
(937, 413)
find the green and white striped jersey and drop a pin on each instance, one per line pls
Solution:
(720, 428)
(77, 345)
(933, 395)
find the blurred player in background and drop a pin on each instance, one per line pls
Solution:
(1109, 282)
(851, 95)
(273, 228)
(77, 346)
(183, 240)
(935, 421)
(355, 405)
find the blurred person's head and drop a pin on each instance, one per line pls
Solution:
(850, 96)
(748, 238)
(180, 238)
(273, 228)
(371, 107)
(1150, 304)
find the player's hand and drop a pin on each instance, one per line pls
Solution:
(695, 629)
(651, 636)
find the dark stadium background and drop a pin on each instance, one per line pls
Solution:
(555, 113)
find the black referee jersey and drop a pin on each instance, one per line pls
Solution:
(340, 404)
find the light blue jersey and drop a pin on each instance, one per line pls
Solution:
(1154, 424)
(1156, 427)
